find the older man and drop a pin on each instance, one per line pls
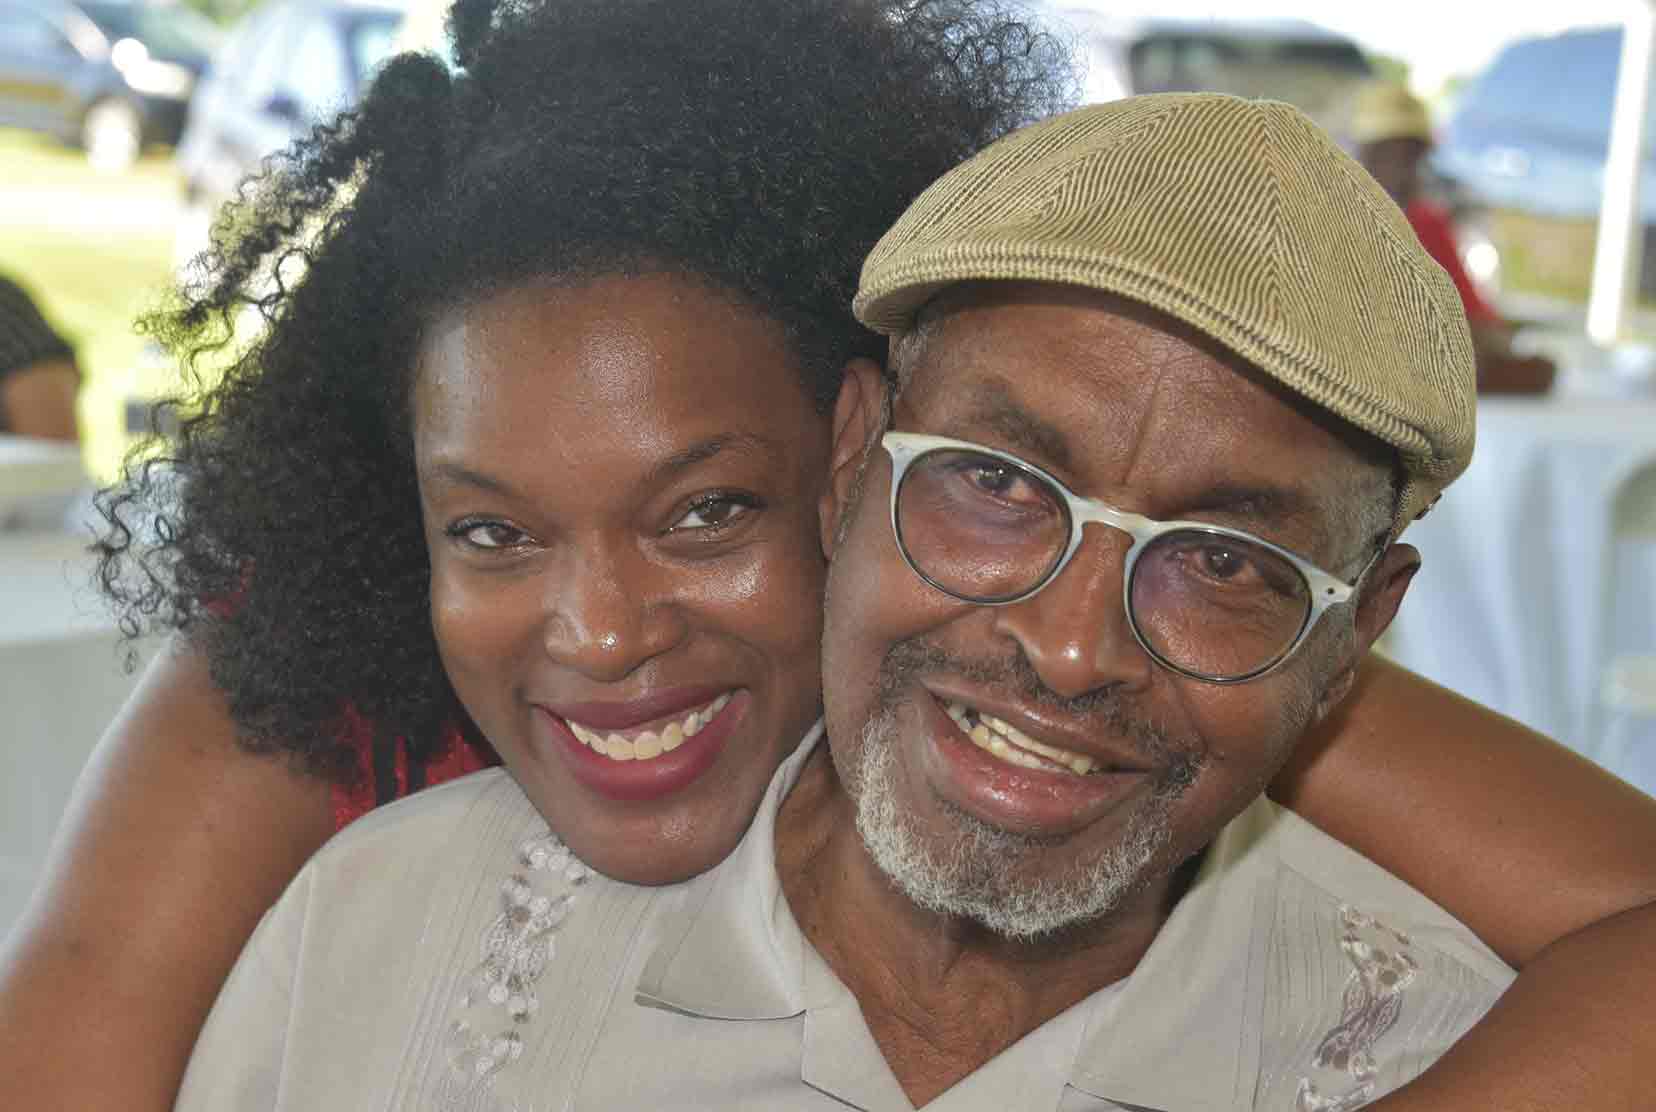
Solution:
(1173, 373)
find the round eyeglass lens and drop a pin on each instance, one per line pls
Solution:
(1217, 605)
(980, 527)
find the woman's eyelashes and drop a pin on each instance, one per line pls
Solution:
(712, 516)
(705, 520)
(488, 535)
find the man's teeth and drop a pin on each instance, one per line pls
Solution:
(650, 743)
(1012, 745)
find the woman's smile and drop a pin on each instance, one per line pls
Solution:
(620, 484)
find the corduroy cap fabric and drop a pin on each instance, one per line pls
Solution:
(1386, 110)
(1240, 218)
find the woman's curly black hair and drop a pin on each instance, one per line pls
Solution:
(760, 145)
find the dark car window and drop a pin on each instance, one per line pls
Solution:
(173, 32)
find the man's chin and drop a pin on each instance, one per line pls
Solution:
(987, 875)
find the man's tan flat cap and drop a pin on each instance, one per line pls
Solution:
(1240, 218)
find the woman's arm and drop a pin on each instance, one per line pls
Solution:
(1547, 857)
(174, 844)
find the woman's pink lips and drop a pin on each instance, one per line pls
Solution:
(638, 781)
(674, 702)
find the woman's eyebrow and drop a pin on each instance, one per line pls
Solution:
(447, 472)
(704, 450)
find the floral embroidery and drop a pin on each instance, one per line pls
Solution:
(498, 997)
(1382, 967)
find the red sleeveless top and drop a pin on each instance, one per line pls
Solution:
(392, 773)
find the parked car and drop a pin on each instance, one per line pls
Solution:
(109, 75)
(1291, 60)
(288, 65)
(1531, 136)
(1533, 130)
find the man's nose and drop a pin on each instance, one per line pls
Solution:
(1075, 629)
(607, 614)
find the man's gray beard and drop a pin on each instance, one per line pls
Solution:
(978, 876)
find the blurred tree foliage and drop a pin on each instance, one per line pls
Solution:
(222, 12)
(1390, 67)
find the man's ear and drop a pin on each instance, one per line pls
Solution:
(1377, 601)
(859, 416)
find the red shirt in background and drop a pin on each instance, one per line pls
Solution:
(1437, 234)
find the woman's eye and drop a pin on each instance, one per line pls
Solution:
(488, 535)
(715, 512)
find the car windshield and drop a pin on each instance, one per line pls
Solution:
(1563, 86)
(1310, 73)
(171, 31)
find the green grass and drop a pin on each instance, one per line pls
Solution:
(92, 270)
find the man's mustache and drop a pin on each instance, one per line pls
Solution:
(1014, 677)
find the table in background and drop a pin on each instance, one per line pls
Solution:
(1525, 594)
(61, 681)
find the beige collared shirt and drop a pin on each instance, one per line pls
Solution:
(447, 953)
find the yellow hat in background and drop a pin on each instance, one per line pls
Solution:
(1240, 218)
(1386, 110)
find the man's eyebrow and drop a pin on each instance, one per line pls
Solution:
(991, 404)
(1267, 503)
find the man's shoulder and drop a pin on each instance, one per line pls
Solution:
(1316, 978)
(1325, 876)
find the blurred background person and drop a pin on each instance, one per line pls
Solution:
(39, 379)
(1392, 133)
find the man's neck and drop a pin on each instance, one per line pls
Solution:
(940, 996)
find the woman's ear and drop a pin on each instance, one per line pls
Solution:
(859, 417)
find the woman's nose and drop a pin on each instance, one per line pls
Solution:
(608, 615)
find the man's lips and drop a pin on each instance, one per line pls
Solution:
(1018, 789)
(1028, 741)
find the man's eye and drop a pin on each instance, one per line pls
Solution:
(1223, 563)
(994, 480)
(715, 512)
(488, 535)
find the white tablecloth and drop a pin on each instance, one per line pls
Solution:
(39, 480)
(1525, 594)
(61, 681)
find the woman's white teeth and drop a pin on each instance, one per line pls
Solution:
(650, 743)
(1010, 744)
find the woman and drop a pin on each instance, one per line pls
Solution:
(665, 155)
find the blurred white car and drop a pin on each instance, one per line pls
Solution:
(1310, 67)
(287, 66)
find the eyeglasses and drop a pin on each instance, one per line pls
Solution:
(986, 527)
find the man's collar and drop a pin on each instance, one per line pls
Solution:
(1179, 1033)
(734, 951)
(1183, 1030)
